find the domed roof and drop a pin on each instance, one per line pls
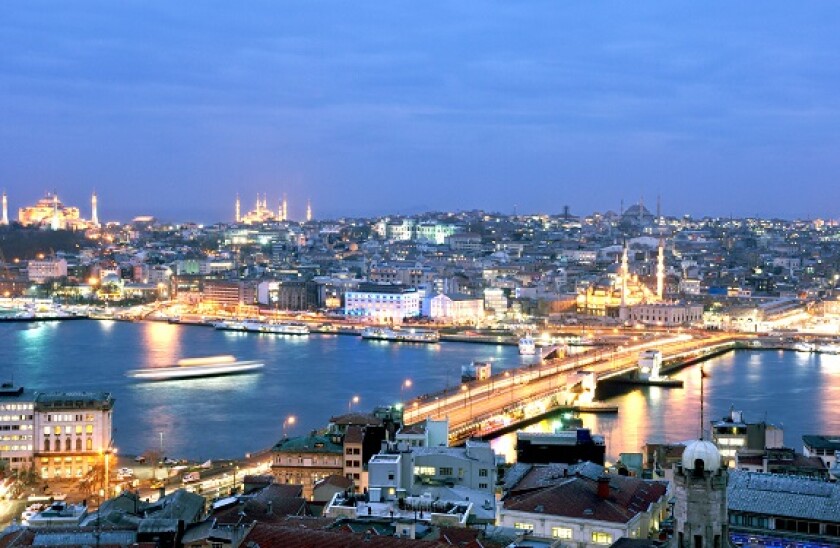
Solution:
(703, 450)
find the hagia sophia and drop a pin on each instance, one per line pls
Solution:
(50, 212)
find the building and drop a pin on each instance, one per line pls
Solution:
(382, 302)
(580, 505)
(700, 493)
(565, 446)
(429, 433)
(732, 434)
(288, 294)
(228, 293)
(789, 508)
(51, 212)
(827, 448)
(17, 428)
(306, 460)
(400, 470)
(58, 434)
(73, 430)
(42, 270)
(780, 460)
(456, 307)
(667, 314)
(495, 300)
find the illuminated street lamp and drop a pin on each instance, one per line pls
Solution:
(290, 421)
(404, 386)
(353, 401)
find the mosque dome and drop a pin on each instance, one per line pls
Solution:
(701, 450)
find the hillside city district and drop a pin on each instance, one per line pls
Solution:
(629, 295)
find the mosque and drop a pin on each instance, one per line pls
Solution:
(263, 214)
(614, 294)
(50, 212)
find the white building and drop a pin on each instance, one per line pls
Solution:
(39, 271)
(382, 302)
(59, 434)
(456, 307)
(667, 315)
(495, 300)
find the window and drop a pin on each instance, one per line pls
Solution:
(561, 532)
(524, 526)
(89, 444)
(424, 470)
(600, 537)
(78, 444)
(482, 472)
(46, 445)
(47, 430)
(89, 429)
(57, 430)
(482, 486)
(445, 471)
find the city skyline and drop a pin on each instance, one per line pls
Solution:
(171, 111)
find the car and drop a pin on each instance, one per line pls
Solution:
(169, 462)
(140, 459)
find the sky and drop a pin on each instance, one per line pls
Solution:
(390, 107)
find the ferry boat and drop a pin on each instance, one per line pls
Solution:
(527, 346)
(229, 325)
(400, 335)
(210, 366)
(276, 328)
(804, 347)
(827, 348)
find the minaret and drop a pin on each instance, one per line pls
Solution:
(660, 271)
(55, 224)
(280, 210)
(308, 211)
(285, 208)
(624, 272)
(238, 209)
(94, 212)
(259, 203)
(5, 220)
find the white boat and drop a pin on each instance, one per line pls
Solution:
(827, 348)
(527, 346)
(276, 328)
(400, 335)
(229, 325)
(188, 368)
(803, 347)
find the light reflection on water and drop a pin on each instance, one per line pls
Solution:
(797, 391)
(314, 377)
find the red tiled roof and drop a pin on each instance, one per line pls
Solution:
(354, 434)
(356, 418)
(285, 500)
(577, 497)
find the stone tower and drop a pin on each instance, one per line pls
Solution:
(700, 492)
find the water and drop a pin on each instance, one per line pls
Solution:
(316, 377)
(311, 378)
(797, 391)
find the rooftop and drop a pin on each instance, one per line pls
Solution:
(788, 496)
(307, 444)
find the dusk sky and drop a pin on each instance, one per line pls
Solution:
(368, 108)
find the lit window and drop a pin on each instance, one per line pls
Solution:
(524, 526)
(600, 537)
(561, 532)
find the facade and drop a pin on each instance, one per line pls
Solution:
(59, 435)
(566, 446)
(382, 302)
(228, 293)
(667, 315)
(73, 431)
(495, 300)
(402, 470)
(585, 508)
(49, 211)
(39, 271)
(306, 460)
(732, 434)
(456, 307)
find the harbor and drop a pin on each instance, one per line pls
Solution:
(248, 410)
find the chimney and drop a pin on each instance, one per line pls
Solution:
(603, 487)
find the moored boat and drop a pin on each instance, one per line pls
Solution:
(187, 368)
(400, 335)
(276, 328)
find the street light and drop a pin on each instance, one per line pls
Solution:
(353, 401)
(290, 421)
(405, 385)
